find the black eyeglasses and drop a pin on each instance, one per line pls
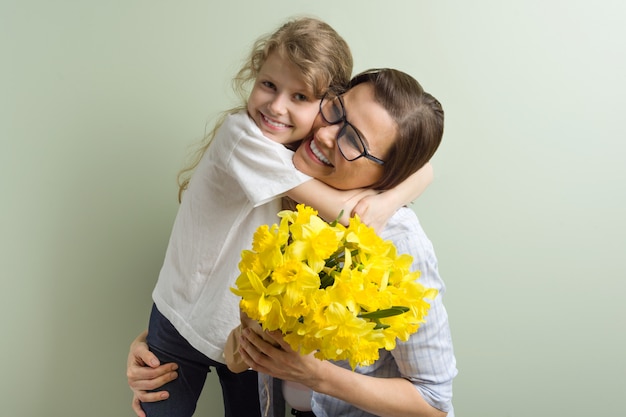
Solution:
(349, 141)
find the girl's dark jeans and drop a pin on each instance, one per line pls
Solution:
(239, 391)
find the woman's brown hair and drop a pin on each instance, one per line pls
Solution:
(419, 119)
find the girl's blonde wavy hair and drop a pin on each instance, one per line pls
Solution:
(314, 47)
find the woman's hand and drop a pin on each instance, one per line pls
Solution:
(278, 359)
(145, 373)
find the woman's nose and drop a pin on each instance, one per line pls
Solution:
(327, 134)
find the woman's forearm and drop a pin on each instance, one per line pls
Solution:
(385, 397)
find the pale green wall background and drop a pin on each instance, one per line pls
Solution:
(99, 101)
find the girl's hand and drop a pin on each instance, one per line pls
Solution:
(375, 210)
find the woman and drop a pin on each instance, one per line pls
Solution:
(384, 128)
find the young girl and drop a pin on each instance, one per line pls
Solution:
(236, 185)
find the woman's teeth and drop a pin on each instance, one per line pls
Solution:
(318, 153)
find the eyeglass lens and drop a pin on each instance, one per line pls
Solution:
(348, 140)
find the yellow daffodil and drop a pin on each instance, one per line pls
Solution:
(343, 293)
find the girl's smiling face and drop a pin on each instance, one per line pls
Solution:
(281, 104)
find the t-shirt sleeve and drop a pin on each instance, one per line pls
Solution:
(263, 168)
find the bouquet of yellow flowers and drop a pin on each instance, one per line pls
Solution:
(341, 292)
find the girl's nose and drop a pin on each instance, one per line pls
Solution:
(278, 106)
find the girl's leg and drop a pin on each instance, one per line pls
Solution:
(169, 346)
(239, 391)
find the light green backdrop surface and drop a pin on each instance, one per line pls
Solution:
(100, 100)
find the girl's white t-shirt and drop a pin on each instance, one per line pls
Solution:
(235, 188)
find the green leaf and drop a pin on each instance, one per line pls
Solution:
(388, 312)
(326, 280)
(380, 325)
(334, 223)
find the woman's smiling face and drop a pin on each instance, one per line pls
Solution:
(319, 156)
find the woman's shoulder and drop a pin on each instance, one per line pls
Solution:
(406, 232)
(404, 220)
